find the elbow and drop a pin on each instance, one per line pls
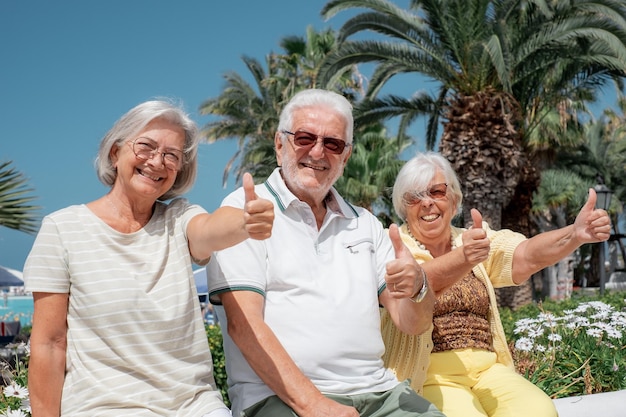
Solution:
(418, 325)
(240, 331)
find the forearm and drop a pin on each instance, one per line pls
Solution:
(444, 271)
(46, 373)
(542, 250)
(410, 315)
(223, 228)
(272, 363)
(416, 318)
(265, 353)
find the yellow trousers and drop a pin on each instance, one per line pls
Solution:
(470, 383)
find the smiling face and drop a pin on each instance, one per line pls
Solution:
(310, 172)
(148, 179)
(429, 219)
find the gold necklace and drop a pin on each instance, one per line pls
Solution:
(422, 246)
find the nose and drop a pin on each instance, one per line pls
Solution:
(317, 150)
(157, 158)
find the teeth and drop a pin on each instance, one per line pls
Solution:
(430, 217)
(314, 167)
(148, 176)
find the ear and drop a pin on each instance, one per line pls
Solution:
(113, 155)
(278, 148)
(348, 153)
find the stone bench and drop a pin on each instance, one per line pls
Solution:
(605, 404)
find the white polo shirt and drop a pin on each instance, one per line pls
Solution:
(321, 293)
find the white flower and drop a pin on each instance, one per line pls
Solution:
(618, 319)
(524, 343)
(524, 325)
(594, 332)
(602, 325)
(555, 337)
(614, 333)
(581, 308)
(546, 317)
(13, 413)
(535, 333)
(15, 390)
(601, 315)
(26, 406)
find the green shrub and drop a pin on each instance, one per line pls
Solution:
(214, 334)
(570, 347)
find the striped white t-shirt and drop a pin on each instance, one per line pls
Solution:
(136, 344)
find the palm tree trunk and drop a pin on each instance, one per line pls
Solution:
(516, 216)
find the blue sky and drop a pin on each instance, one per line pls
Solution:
(70, 68)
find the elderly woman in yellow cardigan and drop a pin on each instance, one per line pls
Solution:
(464, 366)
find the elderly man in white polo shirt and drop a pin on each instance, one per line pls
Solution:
(300, 310)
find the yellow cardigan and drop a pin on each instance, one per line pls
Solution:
(408, 356)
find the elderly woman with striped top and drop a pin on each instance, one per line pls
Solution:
(117, 328)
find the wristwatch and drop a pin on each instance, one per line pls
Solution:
(417, 298)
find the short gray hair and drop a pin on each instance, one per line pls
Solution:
(133, 122)
(318, 97)
(416, 175)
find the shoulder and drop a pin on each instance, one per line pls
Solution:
(177, 207)
(76, 214)
(68, 211)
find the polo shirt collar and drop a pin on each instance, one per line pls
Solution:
(284, 197)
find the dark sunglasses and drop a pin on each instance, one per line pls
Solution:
(304, 139)
(436, 192)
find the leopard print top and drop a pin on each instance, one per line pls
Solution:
(461, 317)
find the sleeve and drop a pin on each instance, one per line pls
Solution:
(240, 267)
(499, 265)
(384, 251)
(46, 267)
(181, 208)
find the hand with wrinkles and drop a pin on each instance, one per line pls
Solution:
(258, 212)
(476, 245)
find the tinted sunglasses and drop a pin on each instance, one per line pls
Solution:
(304, 139)
(436, 192)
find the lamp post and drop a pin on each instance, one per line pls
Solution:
(603, 201)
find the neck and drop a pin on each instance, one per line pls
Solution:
(435, 249)
(134, 220)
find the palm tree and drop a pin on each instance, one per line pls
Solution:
(501, 66)
(250, 112)
(372, 169)
(15, 210)
(556, 203)
(601, 156)
(615, 124)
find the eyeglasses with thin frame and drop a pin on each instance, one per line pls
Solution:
(436, 192)
(304, 139)
(145, 149)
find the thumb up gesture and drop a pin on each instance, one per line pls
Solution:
(592, 224)
(476, 245)
(258, 213)
(404, 275)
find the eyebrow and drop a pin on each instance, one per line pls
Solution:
(156, 143)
